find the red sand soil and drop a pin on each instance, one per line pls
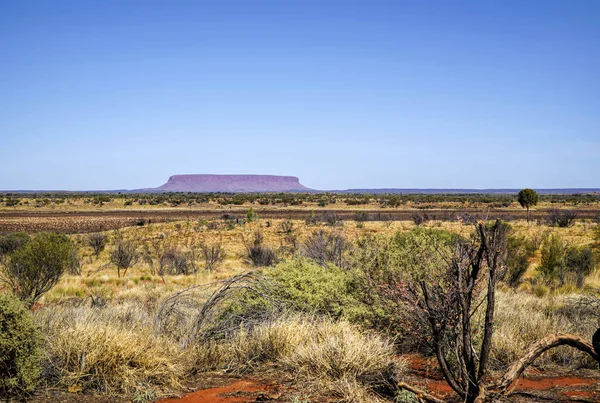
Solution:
(425, 373)
(548, 383)
(240, 391)
(428, 375)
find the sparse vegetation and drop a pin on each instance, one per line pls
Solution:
(320, 274)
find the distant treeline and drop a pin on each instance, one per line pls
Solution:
(284, 199)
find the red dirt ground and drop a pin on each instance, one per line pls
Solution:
(535, 386)
(425, 373)
(240, 391)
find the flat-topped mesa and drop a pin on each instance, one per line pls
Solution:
(232, 183)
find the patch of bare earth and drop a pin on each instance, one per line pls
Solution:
(534, 386)
(238, 391)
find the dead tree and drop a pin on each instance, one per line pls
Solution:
(213, 255)
(97, 242)
(447, 305)
(257, 254)
(326, 247)
(123, 256)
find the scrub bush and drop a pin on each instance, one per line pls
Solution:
(19, 348)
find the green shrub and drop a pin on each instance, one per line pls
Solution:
(11, 242)
(307, 286)
(310, 287)
(301, 285)
(580, 262)
(19, 348)
(419, 253)
(552, 264)
(36, 267)
(519, 252)
(561, 262)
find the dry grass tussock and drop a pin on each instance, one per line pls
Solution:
(111, 349)
(523, 319)
(326, 357)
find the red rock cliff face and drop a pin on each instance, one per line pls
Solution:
(232, 183)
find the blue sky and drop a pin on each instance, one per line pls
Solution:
(344, 94)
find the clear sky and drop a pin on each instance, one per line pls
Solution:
(343, 94)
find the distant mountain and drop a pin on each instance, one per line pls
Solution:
(231, 184)
(205, 183)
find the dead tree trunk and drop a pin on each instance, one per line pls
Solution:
(508, 382)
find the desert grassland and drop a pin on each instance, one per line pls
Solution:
(99, 329)
(99, 276)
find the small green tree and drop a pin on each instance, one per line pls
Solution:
(527, 198)
(19, 348)
(519, 252)
(36, 267)
(250, 215)
(552, 265)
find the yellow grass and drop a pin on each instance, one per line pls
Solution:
(113, 348)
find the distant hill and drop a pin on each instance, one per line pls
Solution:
(206, 183)
(231, 183)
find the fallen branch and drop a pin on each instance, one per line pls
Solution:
(510, 379)
(421, 394)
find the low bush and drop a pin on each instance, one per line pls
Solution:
(564, 263)
(580, 262)
(519, 252)
(310, 287)
(213, 255)
(19, 348)
(97, 242)
(561, 218)
(296, 285)
(331, 218)
(552, 262)
(326, 248)
(11, 242)
(172, 261)
(258, 254)
(123, 255)
(35, 268)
